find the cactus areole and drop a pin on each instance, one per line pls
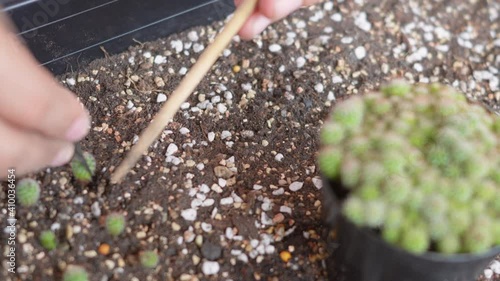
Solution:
(417, 166)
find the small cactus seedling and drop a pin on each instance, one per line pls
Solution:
(80, 171)
(28, 192)
(421, 167)
(115, 224)
(48, 240)
(149, 259)
(75, 273)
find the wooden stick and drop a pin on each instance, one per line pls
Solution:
(185, 88)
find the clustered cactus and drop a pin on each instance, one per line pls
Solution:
(79, 169)
(28, 192)
(421, 165)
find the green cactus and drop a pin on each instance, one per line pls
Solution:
(330, 160)
(496, 233)
(397, 88)
(486, 191)
(332, 134)
(350, 113)
(397, 189)
(438, 227)
(394, 217)
(350, 171)
(415, 240)
(28, 192)
(115, 224)
(79, 169)
(462, 192)
(374, 213)
(459, 219)
(149, 259)
(368, 192)
(373, 173)
(353, 209)
(420, 164)
(477, 240)
(359, 146)
(394, 163)
(48, 240)
(75, 273)
(391, 234)
(449, 244)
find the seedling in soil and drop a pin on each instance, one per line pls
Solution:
(75, 273)
(48, 240)
(421, 165)
(28, 192)
(149, 259)
(83, 171)
(115, 224)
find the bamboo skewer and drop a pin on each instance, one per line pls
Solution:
(185, 88)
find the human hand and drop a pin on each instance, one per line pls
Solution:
(39, 119)
(267, 12)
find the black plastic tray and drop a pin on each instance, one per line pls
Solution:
(67, 34)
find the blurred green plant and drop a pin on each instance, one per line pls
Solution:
(149, 259)
(28, 192)
(422, 166)
(80, 171)
(75, 273)
(48, 240)
(115, 224)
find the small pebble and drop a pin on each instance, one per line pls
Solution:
(300, 62)
(211, 251)
(360, 52)
(210, 267)
(279, 157)
(160, 59)
(172, 149)
(161, 98)
(193, 36)
(211, 136)
(225, 135)
(319, 88)
(296, 186)
(227, 201)
(274, 48)
(189, 214)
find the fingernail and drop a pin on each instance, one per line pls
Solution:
(63, 156)
(259, 24)
(78, 129)
(284, 7)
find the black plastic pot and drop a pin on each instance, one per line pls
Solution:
(66, 34)
(364, 256)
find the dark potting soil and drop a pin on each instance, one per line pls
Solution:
(251, 148)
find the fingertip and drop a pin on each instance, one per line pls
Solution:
(63, 156)
(254, 25)
(79, 128)
(278, 9)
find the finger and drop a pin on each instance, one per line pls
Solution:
(30, 97)
(254, 25)
(311, 2)
(278, 9)
(27, 151)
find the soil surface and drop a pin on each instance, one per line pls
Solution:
(231, 190)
